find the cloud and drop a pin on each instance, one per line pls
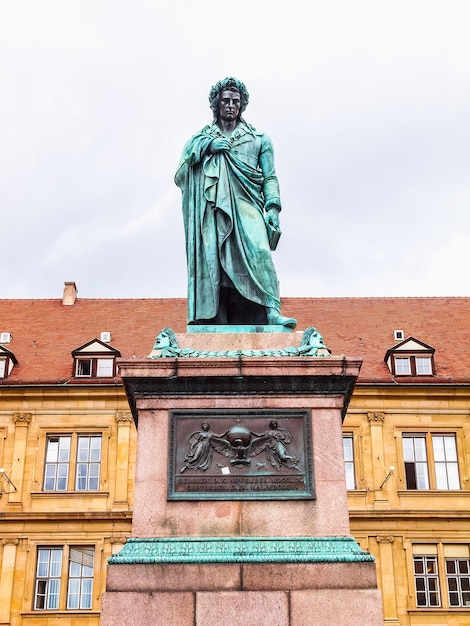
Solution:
(367, 104)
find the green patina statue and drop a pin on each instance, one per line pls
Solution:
(231, 210)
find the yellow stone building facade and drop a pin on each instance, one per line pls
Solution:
(419, 536)
(57, 531)
(67, 448)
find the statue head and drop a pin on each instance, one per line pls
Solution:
(166, 338)
(232, 84)
(313, 338)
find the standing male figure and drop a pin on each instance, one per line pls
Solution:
(230, 197)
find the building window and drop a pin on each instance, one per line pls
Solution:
(458, 581)
(104, 368)
(413, 366)
(72, 455)
(423, 366)
(94, 367)
(416, 464)
(402, 366)
(435, 563)
(411, 357)
(88, 463)
(348, 450)
(95, 359)
(83, 367)
(426, 581)
(80, 585)
(445, 462)
(431, 461)
(7, 361)
(48, 577)
(57, 463)
(50, 574)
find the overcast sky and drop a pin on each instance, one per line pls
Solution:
(367, 103)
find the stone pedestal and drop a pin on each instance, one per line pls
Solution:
(268, 561)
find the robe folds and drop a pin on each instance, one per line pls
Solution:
(225, 197)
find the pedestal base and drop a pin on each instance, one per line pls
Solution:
(323, 592)
(203, 562)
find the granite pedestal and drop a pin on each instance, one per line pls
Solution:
(268, 561)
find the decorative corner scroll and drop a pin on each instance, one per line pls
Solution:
(10, 541)
(22, 419)
(118, 540)
(123, 417)
(166, 345)
(376, 417)
(385, 538)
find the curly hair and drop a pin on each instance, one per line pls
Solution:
(171, 336)
(234, 85)
(310, 334)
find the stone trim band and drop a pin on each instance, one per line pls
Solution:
(241, 550)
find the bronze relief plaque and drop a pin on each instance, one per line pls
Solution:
(240, 455)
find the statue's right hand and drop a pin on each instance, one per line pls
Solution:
(219, 144)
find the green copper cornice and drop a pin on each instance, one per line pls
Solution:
(241, 550)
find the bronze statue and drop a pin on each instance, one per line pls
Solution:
(231, 210)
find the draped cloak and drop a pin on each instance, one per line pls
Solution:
(225, 197)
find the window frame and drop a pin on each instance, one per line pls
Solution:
(94, 366)
(459, 577)
(447, 463)
(8, 361)
(427, 577)
(64, 579)
(412, 360)
(428, 359)
(79, 580)
(72, 479)
(47, 579)
(441, 551)
(90, 462)
(350, 462)
(100, 361)
(402, 359)
(431, 460)
(60, 465)
(417, 463)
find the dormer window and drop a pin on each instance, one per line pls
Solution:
(411, 357)
(402, 365)
(423, 365)
(95, 359)
(7, 362)
(95, 367)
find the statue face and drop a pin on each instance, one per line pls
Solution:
(229, 106)
(162, 341)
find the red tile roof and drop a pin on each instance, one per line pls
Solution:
(45, 331)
